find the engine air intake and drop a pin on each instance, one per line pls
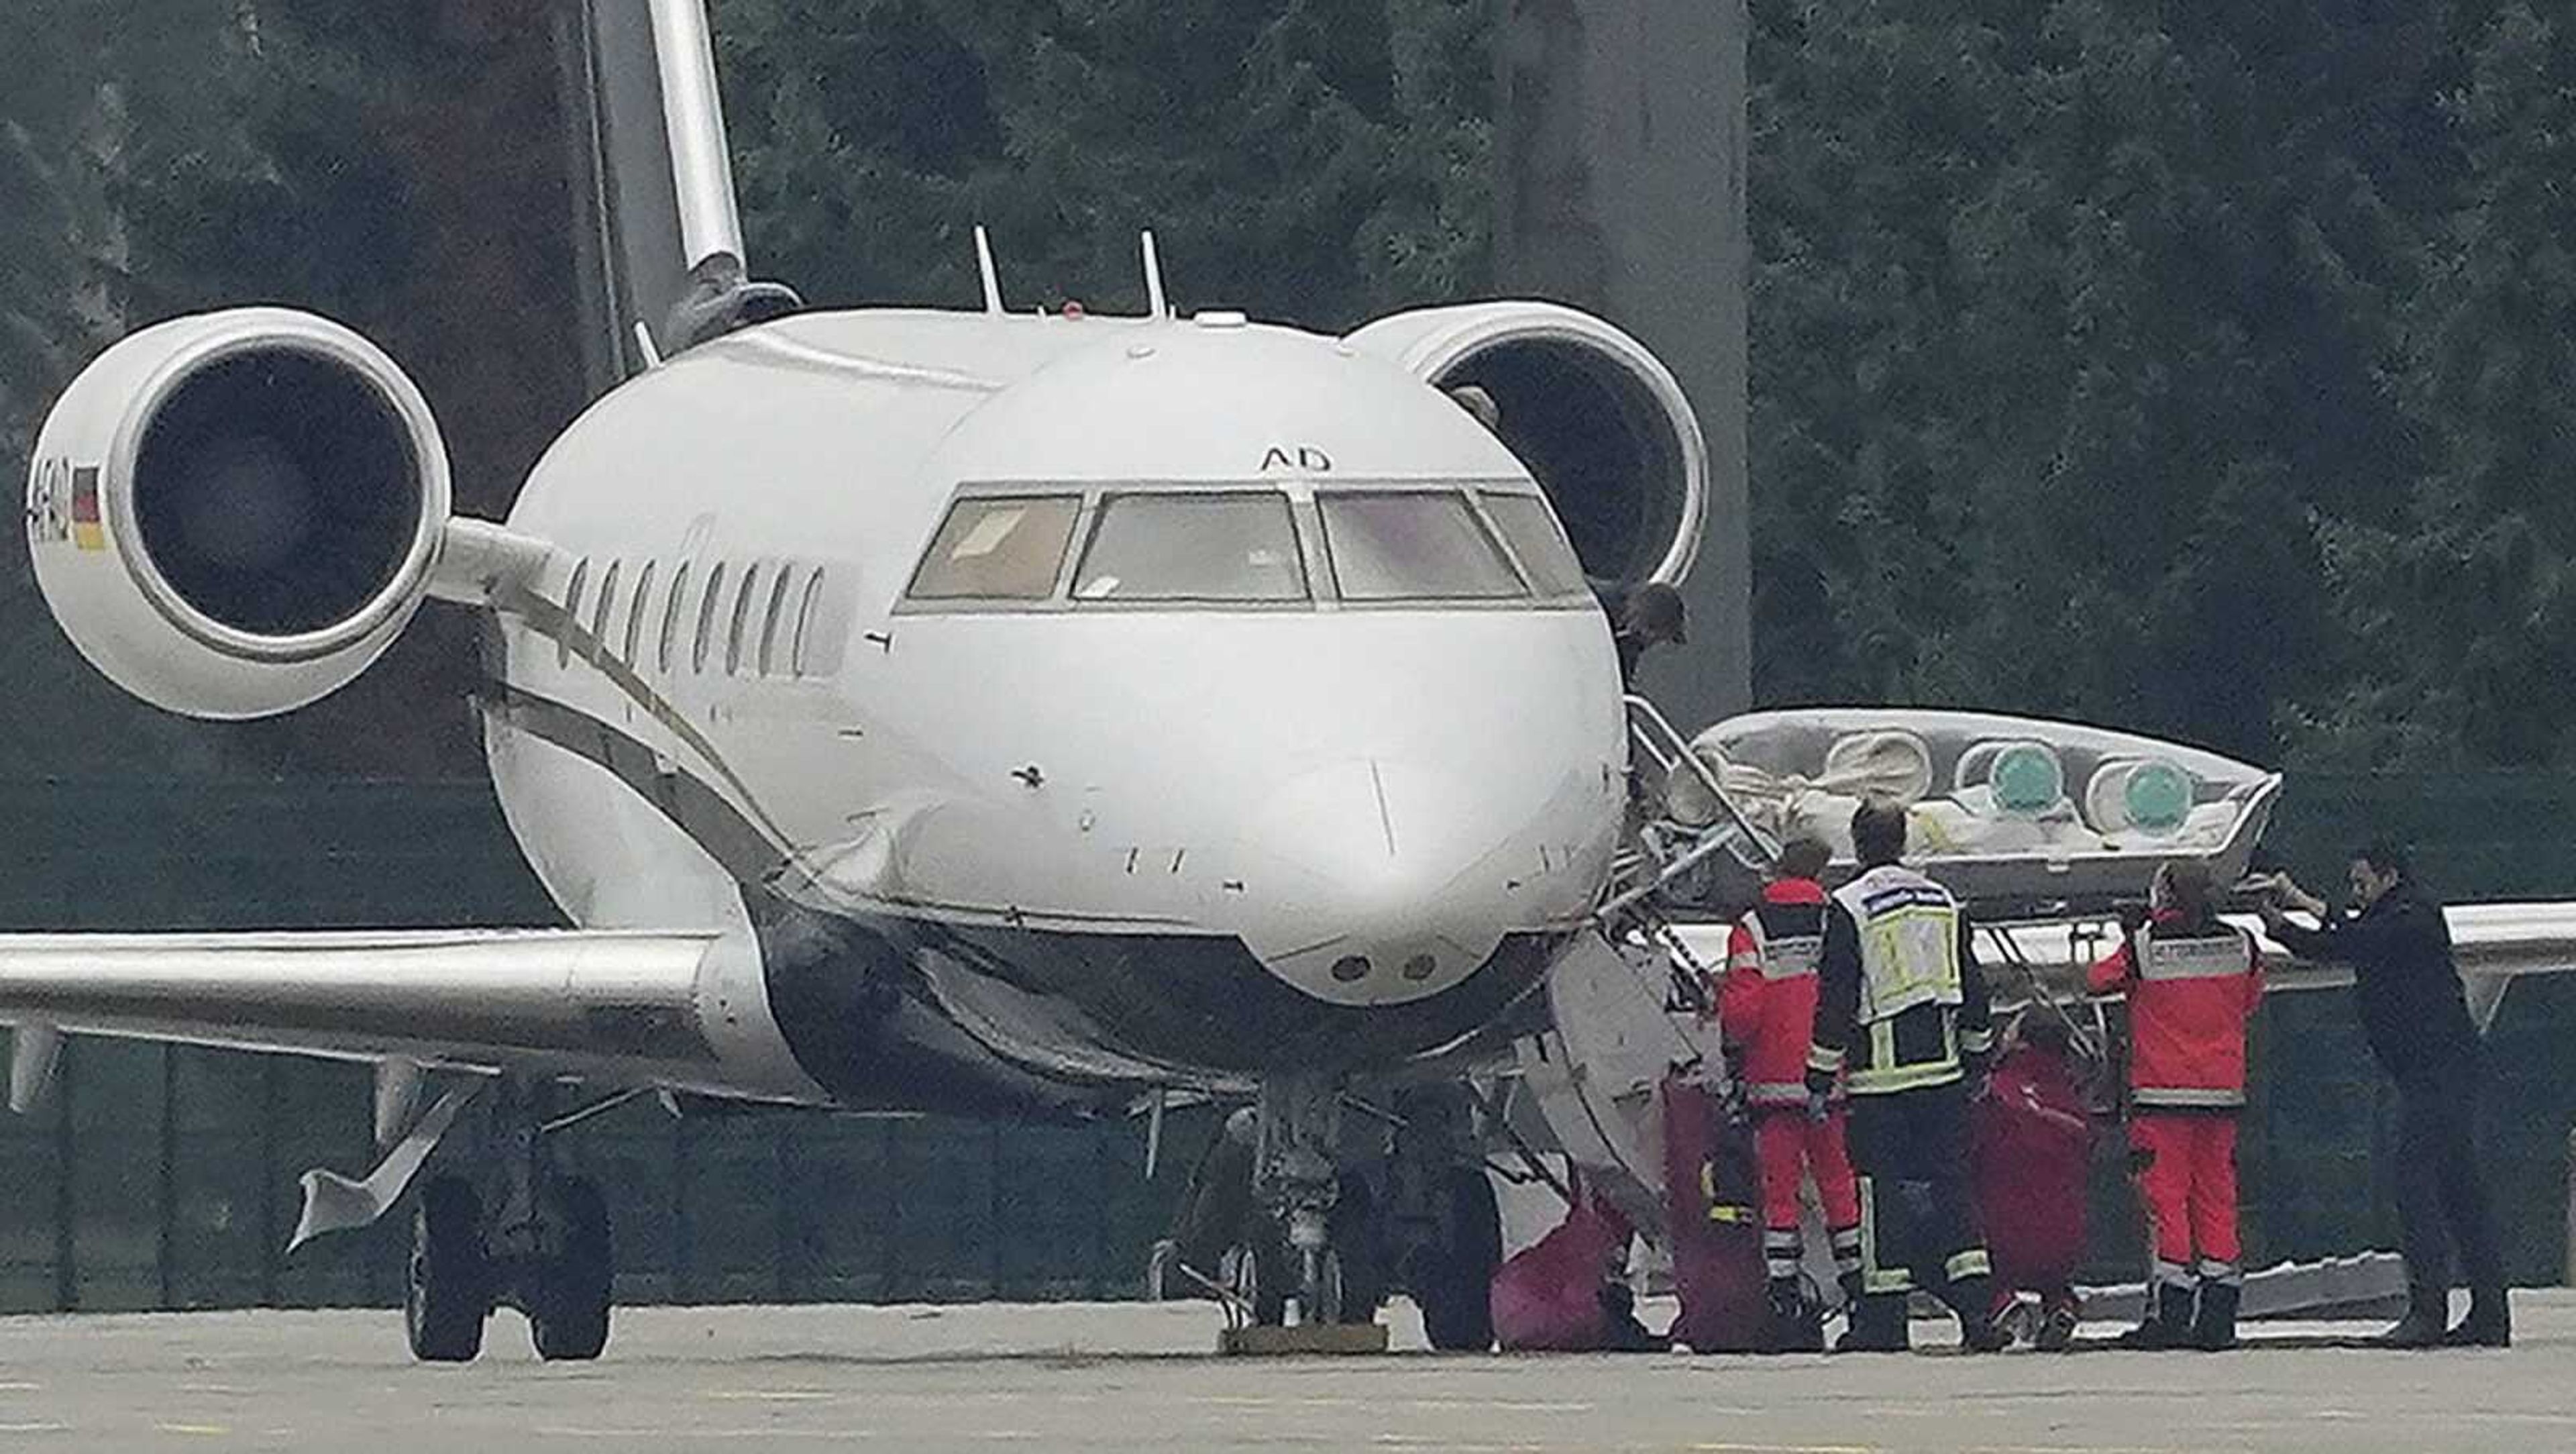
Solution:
(1597, 420)
(276, 491)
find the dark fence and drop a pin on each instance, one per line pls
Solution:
(166, 1177)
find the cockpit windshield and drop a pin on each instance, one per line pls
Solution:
(1198, 547)
(1530, 528)
(1412, 545)
(998, 548)
(1262, 545)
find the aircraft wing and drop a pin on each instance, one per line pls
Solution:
(2495, 944)
(620, 1008)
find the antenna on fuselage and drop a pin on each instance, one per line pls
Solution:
(992, 279)
(1155, 303)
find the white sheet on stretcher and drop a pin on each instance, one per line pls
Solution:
(1965, 822)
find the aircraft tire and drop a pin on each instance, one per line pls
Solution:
(568, 1316)
(447, 1292)
(1455, 1288)
(1266, 1264)
(1357, 1240)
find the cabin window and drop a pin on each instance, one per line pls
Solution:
(1412, 545)
(635, 615)
(1239, 546)
(571, 611)
(1529, 527)
(807, 625)
(671, 616)
(769, 661)
(998, 548)
(741, 617)
(707, 618)
(607, 607)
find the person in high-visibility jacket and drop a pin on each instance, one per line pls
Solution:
(1902, 1019)
(2193, 982)
(1766, 1013)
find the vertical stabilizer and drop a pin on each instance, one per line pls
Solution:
(658, 236)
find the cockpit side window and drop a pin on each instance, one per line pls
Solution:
(1413, 545)
(997, 548)
(1530, 529)
(1232, 547)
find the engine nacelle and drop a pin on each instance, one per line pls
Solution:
(234, 514)
(1599, 421)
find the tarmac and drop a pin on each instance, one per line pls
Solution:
(1136, 1378)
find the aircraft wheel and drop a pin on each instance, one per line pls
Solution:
(1259, 1270)
(447, 1293)
(568, 1316)
(1321, 1291)
(1454, 1283)
(1358, 1245)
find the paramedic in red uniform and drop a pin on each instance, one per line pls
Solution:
(2193, 982)
(1766, 1012)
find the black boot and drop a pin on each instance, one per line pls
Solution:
(1796, 1324)
(2168, 1323)
(1972, 1299)
(1877, 1325)
(2057, 1324)
(2427, 1310)
(2213, 1328)
(2488, 1325)
(1619, 1312)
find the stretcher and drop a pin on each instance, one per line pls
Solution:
(2021, 818)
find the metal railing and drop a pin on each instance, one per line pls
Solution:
(1665, 850)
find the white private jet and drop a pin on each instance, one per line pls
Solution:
(959, 710)
(1003, 713)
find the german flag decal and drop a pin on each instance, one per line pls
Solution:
(85, 525)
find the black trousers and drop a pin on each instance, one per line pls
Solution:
(2441, 1197)
(1918, 1221)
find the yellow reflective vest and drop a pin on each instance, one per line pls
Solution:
(1901, 998)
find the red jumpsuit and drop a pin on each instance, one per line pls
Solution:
(2032, 1144)
(1766, 1012)
(2191, 991)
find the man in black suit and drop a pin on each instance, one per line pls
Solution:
(2417, 1019)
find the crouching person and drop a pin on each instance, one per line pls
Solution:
(2193, 983)
(2034, 1148)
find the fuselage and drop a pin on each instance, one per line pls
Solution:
(1112, 701)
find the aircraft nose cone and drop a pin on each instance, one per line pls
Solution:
(1379, 881)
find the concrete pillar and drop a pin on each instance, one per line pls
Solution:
(1621, 142)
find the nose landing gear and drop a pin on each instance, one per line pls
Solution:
(1288, 1286)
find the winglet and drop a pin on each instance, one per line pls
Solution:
(984, 266)
(1156, 304)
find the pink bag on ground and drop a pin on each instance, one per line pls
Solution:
(1547, 1298)
(1713, 1210)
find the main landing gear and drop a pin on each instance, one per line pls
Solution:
(541, 1244)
